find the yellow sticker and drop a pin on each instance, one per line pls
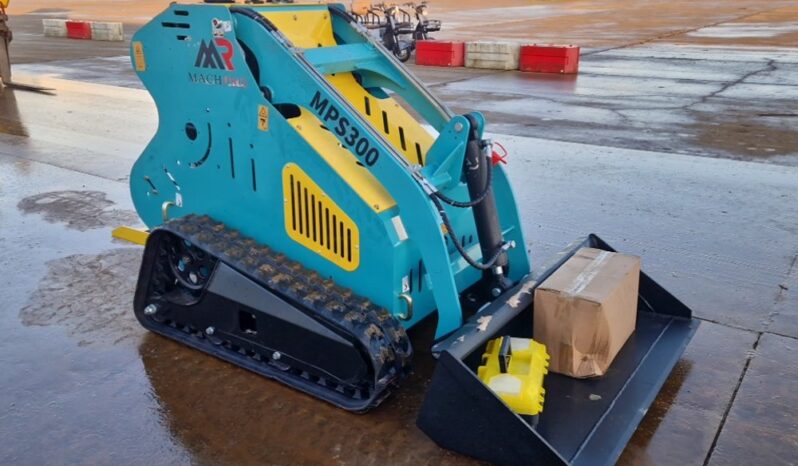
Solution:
(263, 118)
(138, 56)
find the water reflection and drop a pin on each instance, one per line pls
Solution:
(223, 414)
(551, 82)
(636, 451)
(10, 120)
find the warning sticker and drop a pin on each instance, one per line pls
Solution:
(219, 27)
(138, 56)
(263, 118)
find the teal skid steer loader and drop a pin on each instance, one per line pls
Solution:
(310, 200)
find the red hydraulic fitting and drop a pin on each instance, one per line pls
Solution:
(497, 158)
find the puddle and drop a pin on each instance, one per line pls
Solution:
(79, 210)
(746, 137)
(90, 295)
(49, 11)
(226, 415)
(745, 30)
(10, 122)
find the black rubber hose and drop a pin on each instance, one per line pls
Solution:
(478, 199)
(450, 231)
(257, 17)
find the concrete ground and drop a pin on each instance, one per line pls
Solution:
(677, 141)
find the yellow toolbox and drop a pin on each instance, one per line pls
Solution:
(514, 368)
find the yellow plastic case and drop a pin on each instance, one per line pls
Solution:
(513, 368)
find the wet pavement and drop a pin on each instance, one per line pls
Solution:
(31, 46)
(85, 382)
(731, 97)
(611, 151)
(712, 101)
(764, 393)
(669, 98)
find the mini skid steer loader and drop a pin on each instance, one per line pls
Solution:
(302, 219)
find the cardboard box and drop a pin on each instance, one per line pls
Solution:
(440, 53)
(549, 59)
(586, 310)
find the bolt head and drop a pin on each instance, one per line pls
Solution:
(458, 127)
(496, 292)
(151, 309)
(276, 355)
(210, 331)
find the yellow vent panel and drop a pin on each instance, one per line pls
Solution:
(342, 161)
(313, 28)
(313, 220)
(305, 29)
(388, 117)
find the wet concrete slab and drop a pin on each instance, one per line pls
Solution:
(729, 99)
(81, 210)
(117, 71)
(681, 424)
(70, 384)
(612, 23)
(114, 70)
(686, 196)
(106, 387)
(31, 46)
(775, 24)
(659, 77)
(84, 384)
(784, 318)
(663, 97)
(679, 99)
(762, 424)
(93, 129)
(719, 234)
(593, 23)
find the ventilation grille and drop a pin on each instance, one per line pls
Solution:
(316, 222)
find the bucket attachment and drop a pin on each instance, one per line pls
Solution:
(584, 421)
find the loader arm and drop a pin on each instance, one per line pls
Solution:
(407, 186)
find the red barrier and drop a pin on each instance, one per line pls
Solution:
(440, 53)
(549, 59)
(78, 29)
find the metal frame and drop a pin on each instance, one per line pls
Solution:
(296, 76)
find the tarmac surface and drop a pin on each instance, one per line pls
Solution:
(677, 141)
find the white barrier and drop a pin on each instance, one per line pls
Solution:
(100, 30)
(492, 55)
(54, 27)
(107, 31)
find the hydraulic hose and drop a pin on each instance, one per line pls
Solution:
(476, 200)
(486, 265)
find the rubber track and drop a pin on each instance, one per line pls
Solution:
(373, 327)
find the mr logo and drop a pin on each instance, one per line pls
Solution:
(209, 56)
